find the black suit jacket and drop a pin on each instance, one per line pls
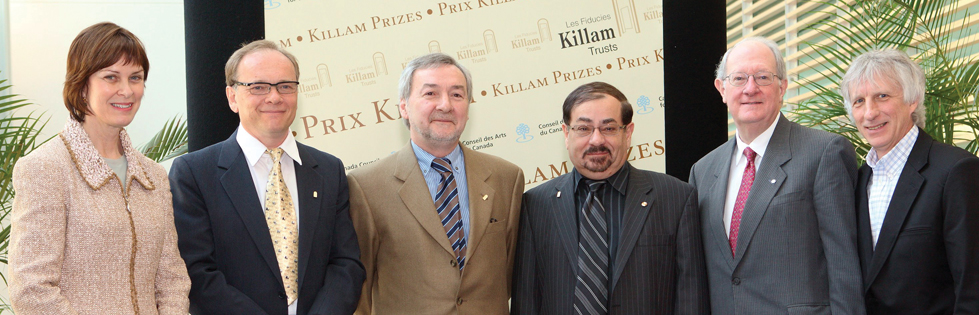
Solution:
(660, 261)
(225, 242)
(927, 255)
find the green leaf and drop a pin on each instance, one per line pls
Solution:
(169, 142)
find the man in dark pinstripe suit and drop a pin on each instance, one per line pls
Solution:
(608, 238)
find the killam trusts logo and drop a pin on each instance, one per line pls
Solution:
(269, 4)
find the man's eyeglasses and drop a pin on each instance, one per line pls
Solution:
(607, 130)
(762, 78)
(262, 88)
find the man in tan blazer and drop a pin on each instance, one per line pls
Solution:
(436, 222)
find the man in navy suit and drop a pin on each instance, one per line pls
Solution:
(223, 193)
(917, 198)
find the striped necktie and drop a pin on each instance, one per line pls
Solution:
(591, 290)
(447, 205)
(281, 218)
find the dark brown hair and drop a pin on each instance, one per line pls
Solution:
(95, 48)
(593, 91)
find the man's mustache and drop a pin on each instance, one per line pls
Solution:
(597, 150)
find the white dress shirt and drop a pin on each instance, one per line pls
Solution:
(738, 163)
(260, 165)
(886, 172)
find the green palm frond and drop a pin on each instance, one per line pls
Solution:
(169, 142)
(927, 31)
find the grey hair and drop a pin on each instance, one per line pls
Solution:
(721, 71)
(887, 64)
(429, 61)
(231, 67)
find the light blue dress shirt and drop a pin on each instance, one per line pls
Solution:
(432, 178)
(886, 172)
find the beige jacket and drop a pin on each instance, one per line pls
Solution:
(410, 264)
(80, 245)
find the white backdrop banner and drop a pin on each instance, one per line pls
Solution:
(525, 56)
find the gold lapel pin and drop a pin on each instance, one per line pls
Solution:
(485, 197)
(644, 203)
(314, 194)
(559, 194)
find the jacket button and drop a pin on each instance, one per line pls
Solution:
(282, 295)
(453, 263)
(459, 301)
(736, 281)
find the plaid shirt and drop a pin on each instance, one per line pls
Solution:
(886, 172)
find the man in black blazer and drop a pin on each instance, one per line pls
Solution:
(917, 198)
(608, 238)
(220, 204)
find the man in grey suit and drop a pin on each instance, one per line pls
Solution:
(776, 201)
(607, 238)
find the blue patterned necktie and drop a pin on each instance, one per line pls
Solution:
(447, 205)
(591, 290)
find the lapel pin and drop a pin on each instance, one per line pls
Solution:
(559, 194)
(644, 203)
(773, 180)
(314, 194)
(485, 197)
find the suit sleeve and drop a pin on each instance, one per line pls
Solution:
(37, 240)
(210, 292)
(172, 282)
(961, 208)
(524, 299)
(516, 202)
(345, 273)
(363, 221)
(691, 292)
(833, 201)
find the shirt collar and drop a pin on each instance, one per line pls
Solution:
(758, 145)
(619, 180)
(254, 149)
(894, 158)
(425, 159)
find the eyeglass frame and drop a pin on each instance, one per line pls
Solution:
(751, 76)
(576, 130)
(271, 85)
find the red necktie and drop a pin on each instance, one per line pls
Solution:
(746, 180)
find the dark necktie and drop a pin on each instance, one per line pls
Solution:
(591, 290)
(746, 180)
(447, 205)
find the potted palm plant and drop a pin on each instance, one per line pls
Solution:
(930, 32)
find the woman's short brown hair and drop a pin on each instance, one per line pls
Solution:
(95, 48)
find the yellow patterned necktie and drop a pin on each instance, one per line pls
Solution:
(281, 218)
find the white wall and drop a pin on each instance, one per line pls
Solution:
(42, 30)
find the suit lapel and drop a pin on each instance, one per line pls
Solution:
(721, 169)
(414, 193)
(638, 201)
(866, 249)
(238, 185)
(307, 181)
(908, 185)
(769, 177)
(480, 209)
(566, 216)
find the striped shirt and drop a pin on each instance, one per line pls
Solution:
(886, 171)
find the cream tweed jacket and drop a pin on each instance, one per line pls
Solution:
(79, 244)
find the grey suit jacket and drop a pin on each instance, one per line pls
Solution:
(660, 262)
(797, 246)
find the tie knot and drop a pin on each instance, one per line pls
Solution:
(442, 165)
(276, 154)
(749, 153)
(594, 185)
